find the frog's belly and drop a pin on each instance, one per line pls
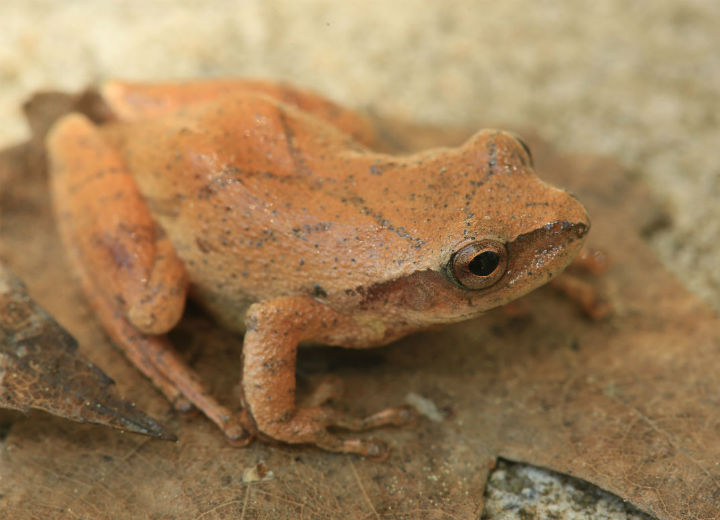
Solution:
(229, 312)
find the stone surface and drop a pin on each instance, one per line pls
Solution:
(525, 492)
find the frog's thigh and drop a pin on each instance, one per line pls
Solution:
(132, 101)
(122, 264)
(274, 329)
(109, 231)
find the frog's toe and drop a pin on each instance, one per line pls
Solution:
(310, 426)
(233, 429)
(329, 388)
(592, 302)
(371, 448)
(183, 405)
(395, 416)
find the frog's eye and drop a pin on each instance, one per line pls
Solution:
(479, 265)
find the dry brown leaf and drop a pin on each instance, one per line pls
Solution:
(40, 368)
(631, 404)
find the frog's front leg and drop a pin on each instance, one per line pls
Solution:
(591, 301)
(274, 329)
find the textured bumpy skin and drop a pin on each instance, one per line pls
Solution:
(267, 205)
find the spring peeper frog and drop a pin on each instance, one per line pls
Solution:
(268, 206)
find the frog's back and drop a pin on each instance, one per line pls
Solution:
(260, 199)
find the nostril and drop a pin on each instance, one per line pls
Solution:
(567, 227)
(581, 229)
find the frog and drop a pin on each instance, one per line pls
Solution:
(276, 211)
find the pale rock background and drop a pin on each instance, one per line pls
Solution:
(638, 81)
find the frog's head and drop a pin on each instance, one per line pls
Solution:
(529, 231)
(509, 233)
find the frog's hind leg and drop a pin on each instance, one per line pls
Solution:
(156, 358)
(128, 268)
(133, 101)
(108, 229)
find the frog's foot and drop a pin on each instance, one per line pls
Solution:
(590, 300)
(312, 426)
(155, 357)
(591, 260)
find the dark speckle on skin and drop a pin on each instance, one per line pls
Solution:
(203, 245)
(492, 153)
(318, 291)
(120, 256)
(379, 169)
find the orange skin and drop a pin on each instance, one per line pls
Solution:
(267, 205)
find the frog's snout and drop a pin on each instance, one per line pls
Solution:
(579, 229)
(574, 220)
(571, 230)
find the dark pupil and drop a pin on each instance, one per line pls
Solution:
(484, 264)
